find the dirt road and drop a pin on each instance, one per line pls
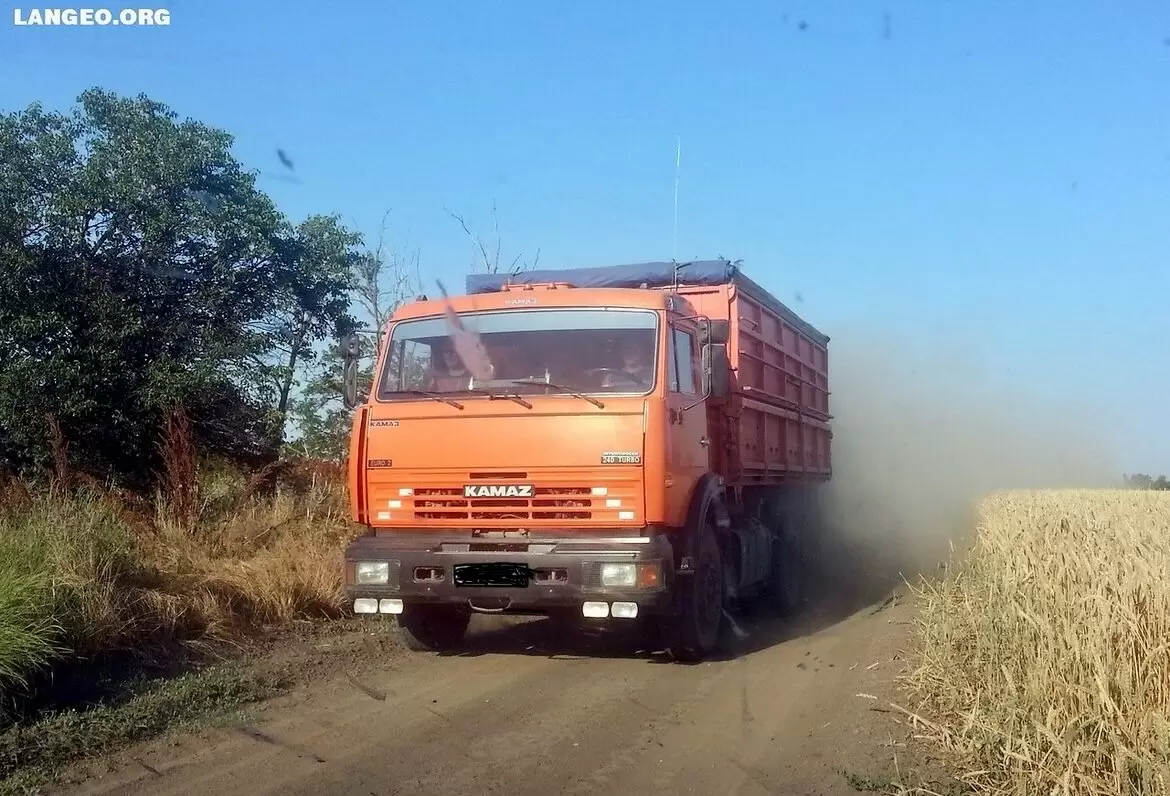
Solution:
(786, 711)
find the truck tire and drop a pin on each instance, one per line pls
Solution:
(433, 628)
(785, 587)
(694, 632)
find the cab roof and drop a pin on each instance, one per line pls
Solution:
(537, 296)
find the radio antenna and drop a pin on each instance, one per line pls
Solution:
(677, 163)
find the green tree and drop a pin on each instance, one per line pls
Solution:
(312, 304)
(1143, 481)
(138, 264)
(380, 280)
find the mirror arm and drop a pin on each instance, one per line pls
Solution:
(706, 379)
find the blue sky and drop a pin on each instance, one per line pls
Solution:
(996, 174)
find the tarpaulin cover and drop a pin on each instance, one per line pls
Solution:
(652, 275)
(701, 272)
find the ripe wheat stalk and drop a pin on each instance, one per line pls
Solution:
(1045, 660)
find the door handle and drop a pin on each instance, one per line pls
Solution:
(704, 441)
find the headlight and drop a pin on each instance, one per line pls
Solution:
(621, 575)
(372, 573)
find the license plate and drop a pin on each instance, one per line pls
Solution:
(502, 575)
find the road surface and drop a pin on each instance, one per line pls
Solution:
(786, 711)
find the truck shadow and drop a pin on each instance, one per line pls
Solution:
(849, 580)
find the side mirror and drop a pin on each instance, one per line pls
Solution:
(353, 346)
(716, 371)
(351, 352)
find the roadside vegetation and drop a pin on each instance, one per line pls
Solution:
(84, 573)
(171, 423)
(121, 617)
(1045, 656)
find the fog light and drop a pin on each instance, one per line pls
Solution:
(595, 610)
(394, 606)
(372, 573)
(365, 605)
(620, 575)
(624, 610)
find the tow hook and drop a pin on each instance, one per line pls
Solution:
(506, 603)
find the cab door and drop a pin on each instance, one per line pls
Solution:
(686, 418)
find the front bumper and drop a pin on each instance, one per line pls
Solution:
(565, 570)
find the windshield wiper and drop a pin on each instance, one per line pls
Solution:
(434, 396)
(562, 388)
(511, 396)
(477, 391)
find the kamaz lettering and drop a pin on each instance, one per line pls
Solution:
(498, 491)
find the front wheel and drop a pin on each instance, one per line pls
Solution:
(694, 632)
(433, 628)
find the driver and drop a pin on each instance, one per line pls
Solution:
(449, 374)
(634, 366)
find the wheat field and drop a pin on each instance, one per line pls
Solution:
(1045, 657)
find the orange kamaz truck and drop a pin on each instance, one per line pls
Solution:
(645, 442)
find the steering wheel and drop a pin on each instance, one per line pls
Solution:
(614, 371)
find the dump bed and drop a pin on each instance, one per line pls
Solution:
(774, 427)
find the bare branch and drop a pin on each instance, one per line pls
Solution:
(385, 279)
(496, 227)
(490, 263)
(476, 243)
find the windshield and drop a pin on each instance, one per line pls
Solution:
(592, 351)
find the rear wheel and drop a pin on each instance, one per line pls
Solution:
(694, 632)
(433, 628)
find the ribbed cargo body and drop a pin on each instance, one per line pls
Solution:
(775, 425)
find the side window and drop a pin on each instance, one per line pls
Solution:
(683, 363)
(672, 362)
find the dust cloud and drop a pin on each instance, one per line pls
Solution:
(922, 429)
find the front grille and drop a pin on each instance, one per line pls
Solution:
(547, 503)
(550, 498)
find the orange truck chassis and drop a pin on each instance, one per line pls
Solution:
(621, 443)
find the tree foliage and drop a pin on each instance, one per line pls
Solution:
(381, 280)
(141, 269)
(1143, 481)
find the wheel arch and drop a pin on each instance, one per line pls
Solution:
(707, 500)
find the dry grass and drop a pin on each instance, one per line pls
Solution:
(1046, 658)
(84, 571)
